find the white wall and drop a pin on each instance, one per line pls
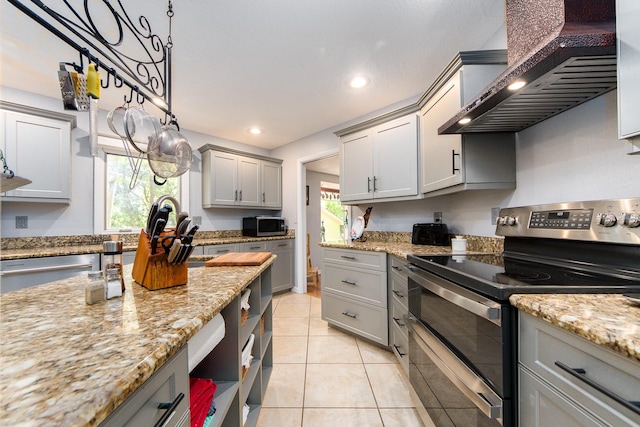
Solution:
(77, 218)
(573, 156)
(313, 212)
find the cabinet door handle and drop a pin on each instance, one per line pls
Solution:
(399, 350)
(581, 374)
(170, 410)
(348, 282)
(348, 257)
(346, 313)
(263, 198)
(368, 185)
(397, 320)
(235, 196)
(240, 195)
(374, 184)
(398, 294)
(453, 162)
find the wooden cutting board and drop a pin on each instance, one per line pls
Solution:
(239, 258)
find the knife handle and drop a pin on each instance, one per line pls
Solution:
(154, 244)
(175, 248)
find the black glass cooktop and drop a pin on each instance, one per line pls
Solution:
(499, 276)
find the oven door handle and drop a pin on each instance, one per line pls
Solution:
(470, 384)
(464, 298)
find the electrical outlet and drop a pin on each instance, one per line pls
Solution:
(437, 217)
(197, 220)
(495, 212)
(22, 222)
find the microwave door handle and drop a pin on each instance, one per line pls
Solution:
(470, 384)
(459, 296)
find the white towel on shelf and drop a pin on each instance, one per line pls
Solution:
(246, 352)
(245, 413)
(244, 300)
(205, 340)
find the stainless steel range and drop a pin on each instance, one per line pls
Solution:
(462, 342)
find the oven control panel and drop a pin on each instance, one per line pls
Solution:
(577, 219)
(615, 221)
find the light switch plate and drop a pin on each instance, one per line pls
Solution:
(437, 217)
(197, 220)
(22, 221)
(495, 212)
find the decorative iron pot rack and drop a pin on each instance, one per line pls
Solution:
(147, 75)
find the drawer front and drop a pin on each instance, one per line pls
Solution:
(400, 346)
(217, 250)
(364, 259)
(366, 286)
(279, 245)
(141, 408)
(399, 315)
(253, 247)
(398, 265)
(362, 319)
(541, 345)
(398, 285)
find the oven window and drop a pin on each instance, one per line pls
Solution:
(477, 341)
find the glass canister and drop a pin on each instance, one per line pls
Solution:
(112, 258)
(112, 283)
(94, 290)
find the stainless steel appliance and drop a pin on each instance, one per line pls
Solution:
(462, 341)
(263, 226)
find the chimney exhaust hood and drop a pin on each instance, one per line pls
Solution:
(564, 52)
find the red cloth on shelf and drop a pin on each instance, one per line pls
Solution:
(201, 392)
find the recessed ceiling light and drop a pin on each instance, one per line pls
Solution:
(517, 85)
(255, 131)
(464, 121)
(358, 82)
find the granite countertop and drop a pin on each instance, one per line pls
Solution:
(38, 247)
(611, 321)
(68, 363)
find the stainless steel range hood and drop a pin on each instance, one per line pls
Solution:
(565, 52)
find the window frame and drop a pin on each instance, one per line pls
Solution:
(112, 145)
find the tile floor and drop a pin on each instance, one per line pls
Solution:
(324, 377)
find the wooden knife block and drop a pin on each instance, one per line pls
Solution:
(153, 271)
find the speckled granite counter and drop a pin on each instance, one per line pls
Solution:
(611, 321)
(38, 247)
(399, 244)
(68, 363)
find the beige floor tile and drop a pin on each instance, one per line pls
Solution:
(401, 417)
(290, 326)
(289, 349)
(337, 386)
(316, 309)
(333, 349)
(294, 298)
(332, 417)
(387, 382)
(321, 327)
(280, 417)
(372, 353)
(291, 310)
(286, 386)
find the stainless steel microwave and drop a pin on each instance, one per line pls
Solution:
(263, 226)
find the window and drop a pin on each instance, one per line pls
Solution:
(118, 208)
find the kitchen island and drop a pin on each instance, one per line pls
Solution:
(64, 362)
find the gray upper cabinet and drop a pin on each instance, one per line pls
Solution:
(37, 146)
(235, 179)
(380, 162)
(452, 163)
(628, 40)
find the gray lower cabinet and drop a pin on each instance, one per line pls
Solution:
(565, 380)
(354, 292)
(398, 310)
(165, 394)
(282, 276)
(22, 273)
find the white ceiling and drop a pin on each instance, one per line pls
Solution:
(281, 65)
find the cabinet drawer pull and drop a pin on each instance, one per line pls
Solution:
(222, 251)
(398, 294)
(46, 269)
(348, 282)
(348, 257)
(397, 320)
(254, 247)
(346, 313)
(399, 350)
(170, 410)
(395, 267)
(281, 245)
(581, 374)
